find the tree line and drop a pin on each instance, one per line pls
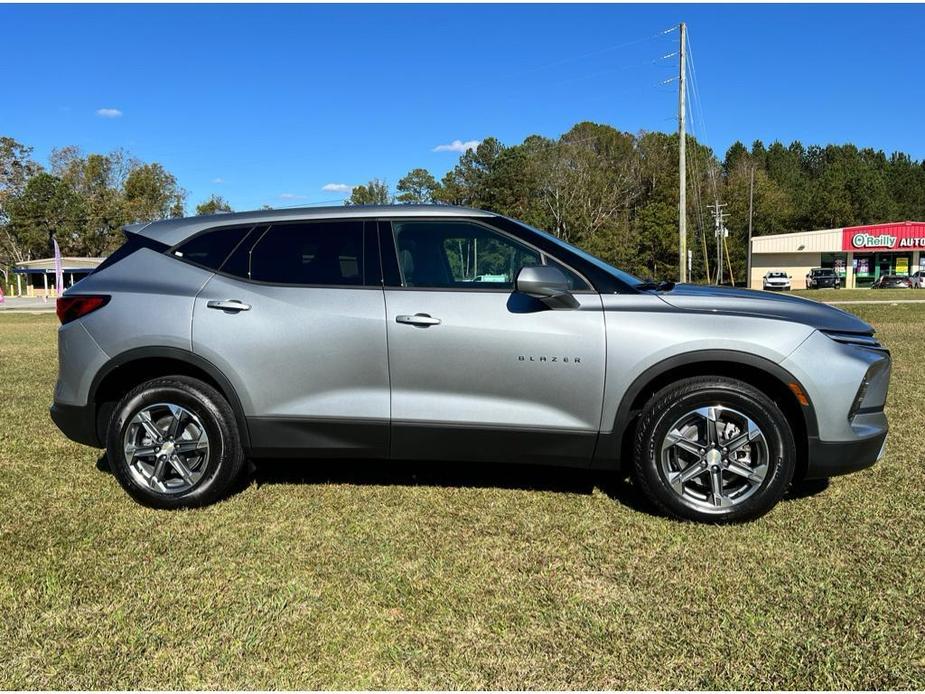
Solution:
(82, 200)
(615, 193)
(610, 192)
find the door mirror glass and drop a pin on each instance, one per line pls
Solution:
(546, 283)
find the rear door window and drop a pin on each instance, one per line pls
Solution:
(303, 253)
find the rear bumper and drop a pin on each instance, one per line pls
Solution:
(828, 458)
(77, 423)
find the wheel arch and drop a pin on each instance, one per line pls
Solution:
(769, 377)
(128, 369)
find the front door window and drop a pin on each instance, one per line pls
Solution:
(462, 255)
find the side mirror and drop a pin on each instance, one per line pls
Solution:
(546, 283)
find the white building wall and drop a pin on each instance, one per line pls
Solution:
(796, 264)
(825, 241)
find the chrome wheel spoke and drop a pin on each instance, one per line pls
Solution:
(177, 464)
(755, 475)
(716, 488)
(192, 445)
(142, 451)
(753, 434)
(709, 414)
(675, 438)
(178, 422)
(686, 475)
(159, 467)
(155, 434)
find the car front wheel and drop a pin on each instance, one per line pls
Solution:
(173, 443)
(713, 449)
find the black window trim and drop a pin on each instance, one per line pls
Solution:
(366, 228)
(389, 229)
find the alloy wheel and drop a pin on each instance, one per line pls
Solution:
(166, 448)
(714, 457)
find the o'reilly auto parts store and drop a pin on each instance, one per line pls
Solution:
(859, 254)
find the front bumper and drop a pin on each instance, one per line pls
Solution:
(829, 459)
(77, 422)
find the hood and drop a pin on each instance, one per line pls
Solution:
(749, 302)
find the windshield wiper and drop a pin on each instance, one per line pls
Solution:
(663, 286)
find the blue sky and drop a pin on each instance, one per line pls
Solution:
(269, 104)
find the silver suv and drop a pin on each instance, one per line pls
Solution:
(448, 334)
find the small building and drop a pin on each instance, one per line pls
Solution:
(859, 254)
(37, 277)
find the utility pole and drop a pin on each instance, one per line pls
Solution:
(719, 226)
(748, 248)
(682, 167)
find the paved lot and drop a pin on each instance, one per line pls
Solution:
(28, 304)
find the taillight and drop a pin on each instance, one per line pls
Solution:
(71, 308)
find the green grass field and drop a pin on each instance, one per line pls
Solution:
(367, 576)
(860, 294)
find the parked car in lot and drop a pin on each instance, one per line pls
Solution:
(892, 282)
(917, 280)
(822, 278)
(440, 334)
(776, 280)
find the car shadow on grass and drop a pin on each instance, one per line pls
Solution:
(460, 475)
(454, 475)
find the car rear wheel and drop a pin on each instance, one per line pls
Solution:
(713, 449)
(173, 443)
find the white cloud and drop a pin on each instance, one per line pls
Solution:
(109, 113)
(458, 146)
(218, 180)
(291, 196)
(336, 188)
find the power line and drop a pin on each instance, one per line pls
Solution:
(582, 56)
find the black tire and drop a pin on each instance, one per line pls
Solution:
(226, 456)
(677, 399)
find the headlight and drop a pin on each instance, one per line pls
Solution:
(859, 398)
(862, 339)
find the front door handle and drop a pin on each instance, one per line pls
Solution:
(229, 305)
(421, 319)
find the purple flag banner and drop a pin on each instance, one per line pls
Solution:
(59, 275)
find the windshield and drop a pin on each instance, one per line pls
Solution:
(594, 260)
(776, 274)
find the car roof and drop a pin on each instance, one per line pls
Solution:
(173, 231)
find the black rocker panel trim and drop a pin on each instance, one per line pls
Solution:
(475, 443)
(318, 437)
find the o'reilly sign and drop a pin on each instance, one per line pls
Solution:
(901, 235)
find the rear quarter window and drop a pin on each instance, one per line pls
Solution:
(211, 248)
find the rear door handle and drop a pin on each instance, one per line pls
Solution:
(421, 319)
(229, 305)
